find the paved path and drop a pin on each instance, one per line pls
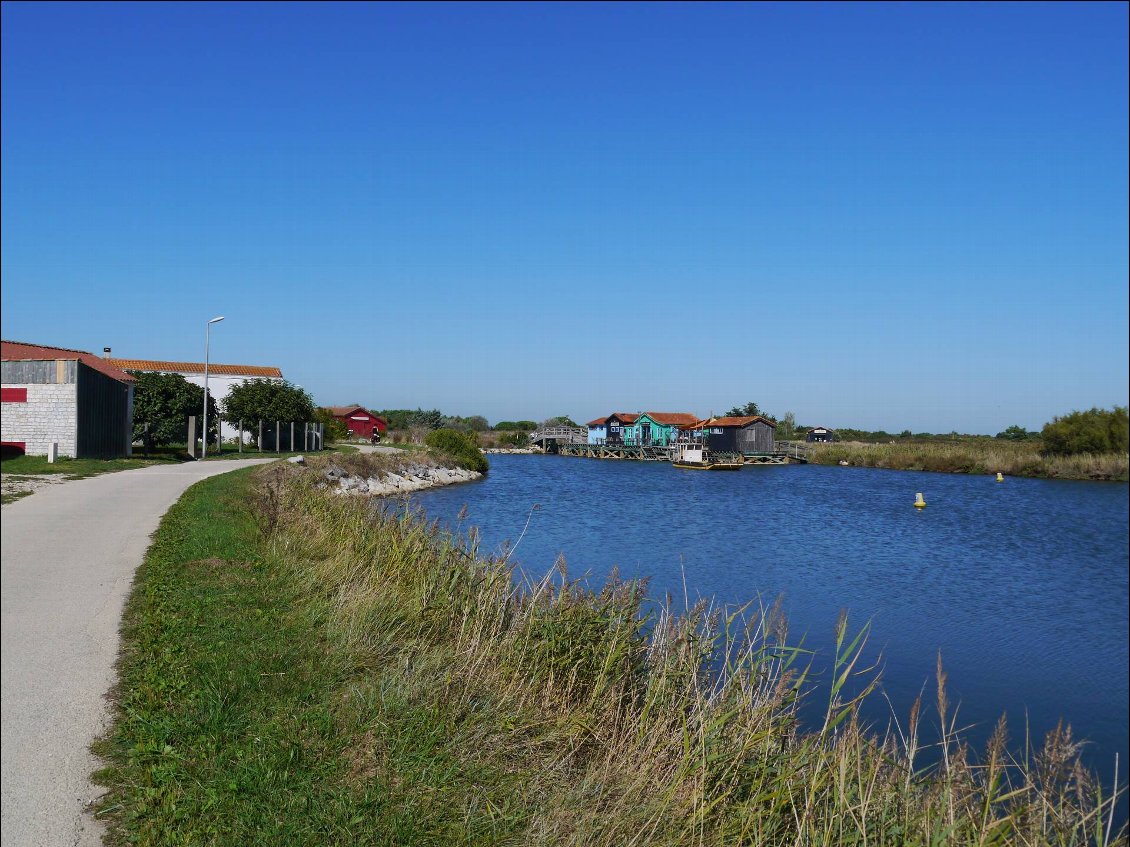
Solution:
(69, 553)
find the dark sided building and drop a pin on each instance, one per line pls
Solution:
(70, 398)
(753, 434)
(616, 425)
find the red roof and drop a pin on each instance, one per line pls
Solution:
(741, 421)
(730, 421)
(19, 351)
(626, 417)
(673, 418)
(346, 411)
(597, 422)
(195, 368)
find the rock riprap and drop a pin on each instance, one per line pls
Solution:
(409, 479)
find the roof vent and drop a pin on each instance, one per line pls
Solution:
(106, 352)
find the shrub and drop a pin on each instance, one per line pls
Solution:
(1093, 431)
(462, 447)
(335, 429)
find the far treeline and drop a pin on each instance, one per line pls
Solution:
(1095, 431)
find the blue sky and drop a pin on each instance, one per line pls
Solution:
(880, 216)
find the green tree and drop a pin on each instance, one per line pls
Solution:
(515, 426)
(478, 423)
(1094, 431)
(786, 429)
(267, 400)
(165, 402)
(560, 420)
(1014, 433)
(749, 410)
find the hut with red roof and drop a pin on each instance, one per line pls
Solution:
(360, 422)
(748, 435)
(64, 400)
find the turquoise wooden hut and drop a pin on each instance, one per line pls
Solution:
(658, 429)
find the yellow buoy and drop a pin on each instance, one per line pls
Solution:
(1000, 477)
(919, 503)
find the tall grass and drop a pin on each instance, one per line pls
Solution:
(606, 727)
(974, 457)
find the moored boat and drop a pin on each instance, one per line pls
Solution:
(694, 456)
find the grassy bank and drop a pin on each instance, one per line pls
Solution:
(974, 456)
(298, 670)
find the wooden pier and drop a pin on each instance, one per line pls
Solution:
(784, 453)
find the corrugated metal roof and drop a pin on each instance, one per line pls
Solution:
(195, 368)
(21, 351)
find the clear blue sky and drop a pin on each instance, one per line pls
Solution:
(896, 216)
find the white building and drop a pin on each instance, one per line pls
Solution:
(221, 378)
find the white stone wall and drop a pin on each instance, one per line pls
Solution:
(50, 414)
(218, 388)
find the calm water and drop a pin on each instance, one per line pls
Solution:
(1022, 586)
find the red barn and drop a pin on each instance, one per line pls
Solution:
(360, 422)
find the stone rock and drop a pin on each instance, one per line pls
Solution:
(297, 460)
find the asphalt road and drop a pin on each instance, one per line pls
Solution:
(69, 553)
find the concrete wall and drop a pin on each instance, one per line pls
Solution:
(218, 388)
(50, 414)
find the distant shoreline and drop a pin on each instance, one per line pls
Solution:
(969, 457)
(974, 457)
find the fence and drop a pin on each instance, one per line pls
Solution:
(270, 437)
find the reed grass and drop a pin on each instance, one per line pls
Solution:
(974, 456)
(451, 700)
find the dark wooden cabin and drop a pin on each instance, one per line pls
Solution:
(616, 425)
(819, 435)
(752, 434)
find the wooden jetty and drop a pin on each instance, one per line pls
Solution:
(783, 453)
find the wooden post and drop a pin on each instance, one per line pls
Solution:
(241, 436)
(292, 436)
(260, 436)
(219, 438)
(278, 436)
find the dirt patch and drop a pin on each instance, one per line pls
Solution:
(15, 486)
(361, 756)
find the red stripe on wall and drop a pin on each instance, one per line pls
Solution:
(13, 395)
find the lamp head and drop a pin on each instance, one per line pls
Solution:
(216, 320)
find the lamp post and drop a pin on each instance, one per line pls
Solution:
(207, 338)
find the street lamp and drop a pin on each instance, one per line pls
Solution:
(207, 334)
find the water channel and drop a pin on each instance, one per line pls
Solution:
(1022, 586)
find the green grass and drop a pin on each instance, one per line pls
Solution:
(80, 468)
(297, 670)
